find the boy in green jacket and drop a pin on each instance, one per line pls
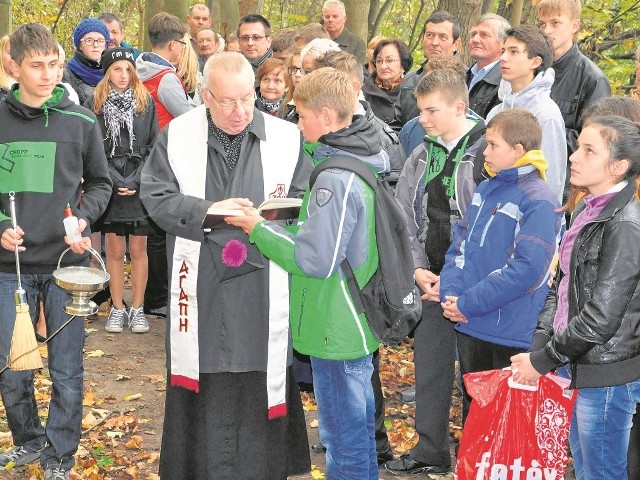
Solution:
(337, 221)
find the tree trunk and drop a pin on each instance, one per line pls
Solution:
(179, 8)
(229, 17)
(5, 17)
(357, 17)
(376, 17)
(214, 8)
(467, 11)
(516, 12)
(151, 7)
(250, 6)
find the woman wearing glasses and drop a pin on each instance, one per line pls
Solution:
(391, 59)
(83, 71)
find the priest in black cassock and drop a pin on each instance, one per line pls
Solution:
(233, 408)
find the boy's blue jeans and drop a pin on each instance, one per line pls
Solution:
(346, 412)
(600, 431)
(63, 429)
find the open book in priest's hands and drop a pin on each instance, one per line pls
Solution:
(271, 209)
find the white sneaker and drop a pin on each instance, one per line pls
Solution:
(115, 322)
(138, 320)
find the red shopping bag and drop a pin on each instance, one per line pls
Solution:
(515, 432)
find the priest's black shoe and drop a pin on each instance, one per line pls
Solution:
(407, 465)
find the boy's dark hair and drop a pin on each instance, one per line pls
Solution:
(284, 40)
(30, 38)
(448, 83)
(403, 51)
(441, 17)
(164, 28)
(536, 42)
(109, 17)
(518, 126)
(255, 18)
(342, 61)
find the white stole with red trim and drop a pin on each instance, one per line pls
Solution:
(187, 153)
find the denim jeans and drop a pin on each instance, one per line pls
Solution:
(346, 417)
(600, 431)
(63, 428)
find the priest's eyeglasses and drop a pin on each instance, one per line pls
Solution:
(230, 105)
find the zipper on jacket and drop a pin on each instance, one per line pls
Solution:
(304, 296)
(486, 227)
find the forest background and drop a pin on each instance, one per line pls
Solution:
(609, 33)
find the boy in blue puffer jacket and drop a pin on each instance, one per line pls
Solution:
(494, 280)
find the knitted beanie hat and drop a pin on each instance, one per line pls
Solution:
(90, 25)
(114, 54)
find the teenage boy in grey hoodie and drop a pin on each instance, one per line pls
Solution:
(527, 55)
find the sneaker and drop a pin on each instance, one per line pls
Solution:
(115, 322)
(138, 320)
(406, 465)
(56, 472)
(20, 456)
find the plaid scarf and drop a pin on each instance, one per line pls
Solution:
(230, 143)
(118, 113)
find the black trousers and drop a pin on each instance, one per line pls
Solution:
(475, 355)
(434, 359)
(156, 293)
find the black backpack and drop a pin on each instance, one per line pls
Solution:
(390, 300)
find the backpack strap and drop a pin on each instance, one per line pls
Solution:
(346, 163)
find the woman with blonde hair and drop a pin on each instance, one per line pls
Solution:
(127, 117)
(189, 71)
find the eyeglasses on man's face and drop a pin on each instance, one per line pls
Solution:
(184, 44)
(230, 105)
(101, 42)
(255, 38)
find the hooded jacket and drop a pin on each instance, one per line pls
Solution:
(51, 156)
(432, 208)
(169, 94)
(337, 221)
(498, 263)
(602, 338)
(536, 98)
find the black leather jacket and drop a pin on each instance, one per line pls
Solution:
(405, 106)
(602, 339)
(578, 82)
(484, 94)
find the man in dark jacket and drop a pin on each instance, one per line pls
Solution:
(440, 36)
(485, 47)
(578, 80)
(52, 157)
(334, 17)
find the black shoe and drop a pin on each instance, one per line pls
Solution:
(158, 312)
(318, 448)
(384, 457)
(407, 465)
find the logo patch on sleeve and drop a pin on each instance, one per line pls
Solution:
(323, 196)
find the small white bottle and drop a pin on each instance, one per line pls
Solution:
(70, 224)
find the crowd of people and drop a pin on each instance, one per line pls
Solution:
(517, 178)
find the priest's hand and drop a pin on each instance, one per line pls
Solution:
(248, 222)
